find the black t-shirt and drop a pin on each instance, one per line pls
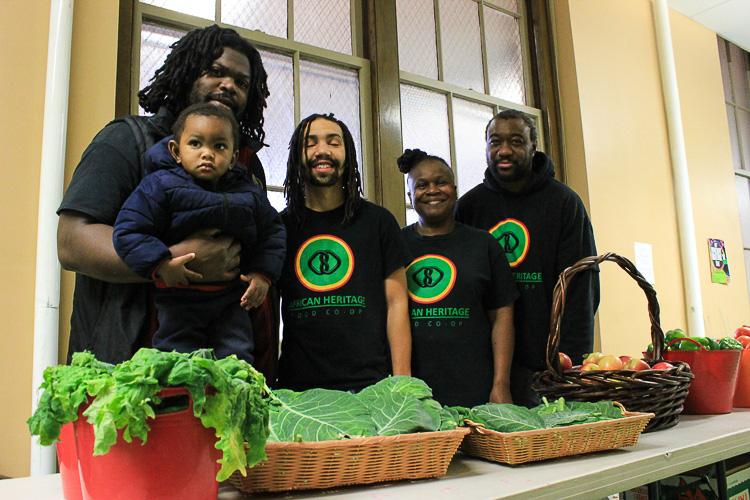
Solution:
(108, 318)
(453, 281)
(333, 298)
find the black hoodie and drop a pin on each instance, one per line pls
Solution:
(544, 229)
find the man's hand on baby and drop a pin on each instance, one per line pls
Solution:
(217, 255)
(257, 289)
(173, 271)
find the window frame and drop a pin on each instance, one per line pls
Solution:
(150, 14)
(744, 167)
(497, 104)
(375, 58)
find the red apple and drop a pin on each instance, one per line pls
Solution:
(625, 359)
(663, 366)
(565, 362)
(636, 364)
(744, 340)
(610, 362)
(589, 367)
(594, 357)
(743, 330)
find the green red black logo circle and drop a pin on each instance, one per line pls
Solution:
(513, 236)
(324, 263)
(430, 278)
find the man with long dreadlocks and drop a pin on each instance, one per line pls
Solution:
(112, 307)
(343, 287)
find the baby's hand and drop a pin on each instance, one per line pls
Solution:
(256, 290)
(173, 271)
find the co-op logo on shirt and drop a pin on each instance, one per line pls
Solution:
(324, 263)
(513, 237)
(430, 278)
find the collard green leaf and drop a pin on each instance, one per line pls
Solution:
(459, 413)
(506, 418)
(449, 419)
(400, 405)
(547, 408)
(511, 418)
(598, 411)
(318, 415)
(562, 418)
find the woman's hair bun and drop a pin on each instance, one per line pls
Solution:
(410, 159)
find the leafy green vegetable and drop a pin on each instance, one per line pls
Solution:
(599, 410)
(449, 419)
(65, 389)
(395, 405)
(318, 415)
(124, 397)
(400, 405)
(512, 418)
(506, 417)
(458, 413)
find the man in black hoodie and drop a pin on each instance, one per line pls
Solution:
(543, 228)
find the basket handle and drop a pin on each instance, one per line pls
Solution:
(558, 305)
(680, 339)
(475, 427)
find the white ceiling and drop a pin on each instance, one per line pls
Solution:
(728, 18)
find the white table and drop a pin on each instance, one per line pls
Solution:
(694, 442)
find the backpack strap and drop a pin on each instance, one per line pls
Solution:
(144, 136)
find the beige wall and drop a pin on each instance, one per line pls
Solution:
(24, 29)
(23, 59)
(615, 125)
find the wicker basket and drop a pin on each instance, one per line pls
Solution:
(529, 446)
(660, 392)
(327, 464)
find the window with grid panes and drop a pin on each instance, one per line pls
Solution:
(735, 68)
(309, 51)
(461, 61)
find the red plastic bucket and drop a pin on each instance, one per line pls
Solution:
(712, 390)
(178, 461)
(742, 391)
(67, 458)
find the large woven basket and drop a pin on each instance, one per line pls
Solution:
(529, 446)
(328, 464)
(660, 392)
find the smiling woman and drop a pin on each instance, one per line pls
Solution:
(461, 293)
(432, 191)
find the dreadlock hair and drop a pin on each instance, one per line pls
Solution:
(209, 110)
(294, 184)
(190, 57)
(511, 114)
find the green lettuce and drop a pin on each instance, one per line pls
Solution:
(124, 397)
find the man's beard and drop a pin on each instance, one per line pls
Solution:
(330, 179)
(518, 173)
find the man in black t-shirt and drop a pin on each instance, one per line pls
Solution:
(543, 228)
(343, 287)
(112, 307)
